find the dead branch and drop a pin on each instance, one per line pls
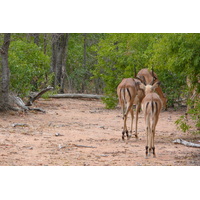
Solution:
(186, 143)
(77, 145)
(20, 124)
(19, 102)
(35, 96)
(89, 96)
(38, 109)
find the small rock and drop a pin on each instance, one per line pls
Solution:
(60, 146)
(104, 155)
(58, 134)
(138, 164)
(169, 118)
(85, 164)
(92, 111)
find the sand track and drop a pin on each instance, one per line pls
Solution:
(79, 132)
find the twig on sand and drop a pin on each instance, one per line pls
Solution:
(186, 143)
(74, 145)
(77, 145)
(20, 124)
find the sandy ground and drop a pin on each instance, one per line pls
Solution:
(75, 132)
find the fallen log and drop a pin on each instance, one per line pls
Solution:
(89, 96)
(26, 106)
(35, 96)
(19, 102)
(186, 143)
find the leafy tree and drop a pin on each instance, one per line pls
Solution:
(174, 57)
(119, 55)
(81, 62)
(179, 54)
(30, 68)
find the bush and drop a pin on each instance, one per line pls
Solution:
(29, 67)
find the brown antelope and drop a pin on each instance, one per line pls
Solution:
(151, 106)
(148, 76)
(127, 91)
(138, 99)
(135, 97)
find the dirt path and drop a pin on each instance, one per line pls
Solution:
(87, 135)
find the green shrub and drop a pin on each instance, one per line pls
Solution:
(29, 68)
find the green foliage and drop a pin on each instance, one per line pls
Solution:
(79, 72)
(179, 53)
(170, 81)
(182, 124)
(29, 68)
(174, 57)
(193, 113)
(118, 55)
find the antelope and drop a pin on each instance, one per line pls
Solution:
(151, 106)
(127, 91)
(135, 97)
(148, 76)
(138, 99)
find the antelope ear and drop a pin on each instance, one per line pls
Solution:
(142, 86)
(156, 84)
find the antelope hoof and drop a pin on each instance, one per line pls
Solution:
(127, 134)
(146, 155)
(146, 151)
(122, 135)
(154, 155)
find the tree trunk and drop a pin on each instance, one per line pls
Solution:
(5, 80)
(64, 58)
(84, 59)
(36, 38)
(53, 61)
(45, 43)
(59, 42)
